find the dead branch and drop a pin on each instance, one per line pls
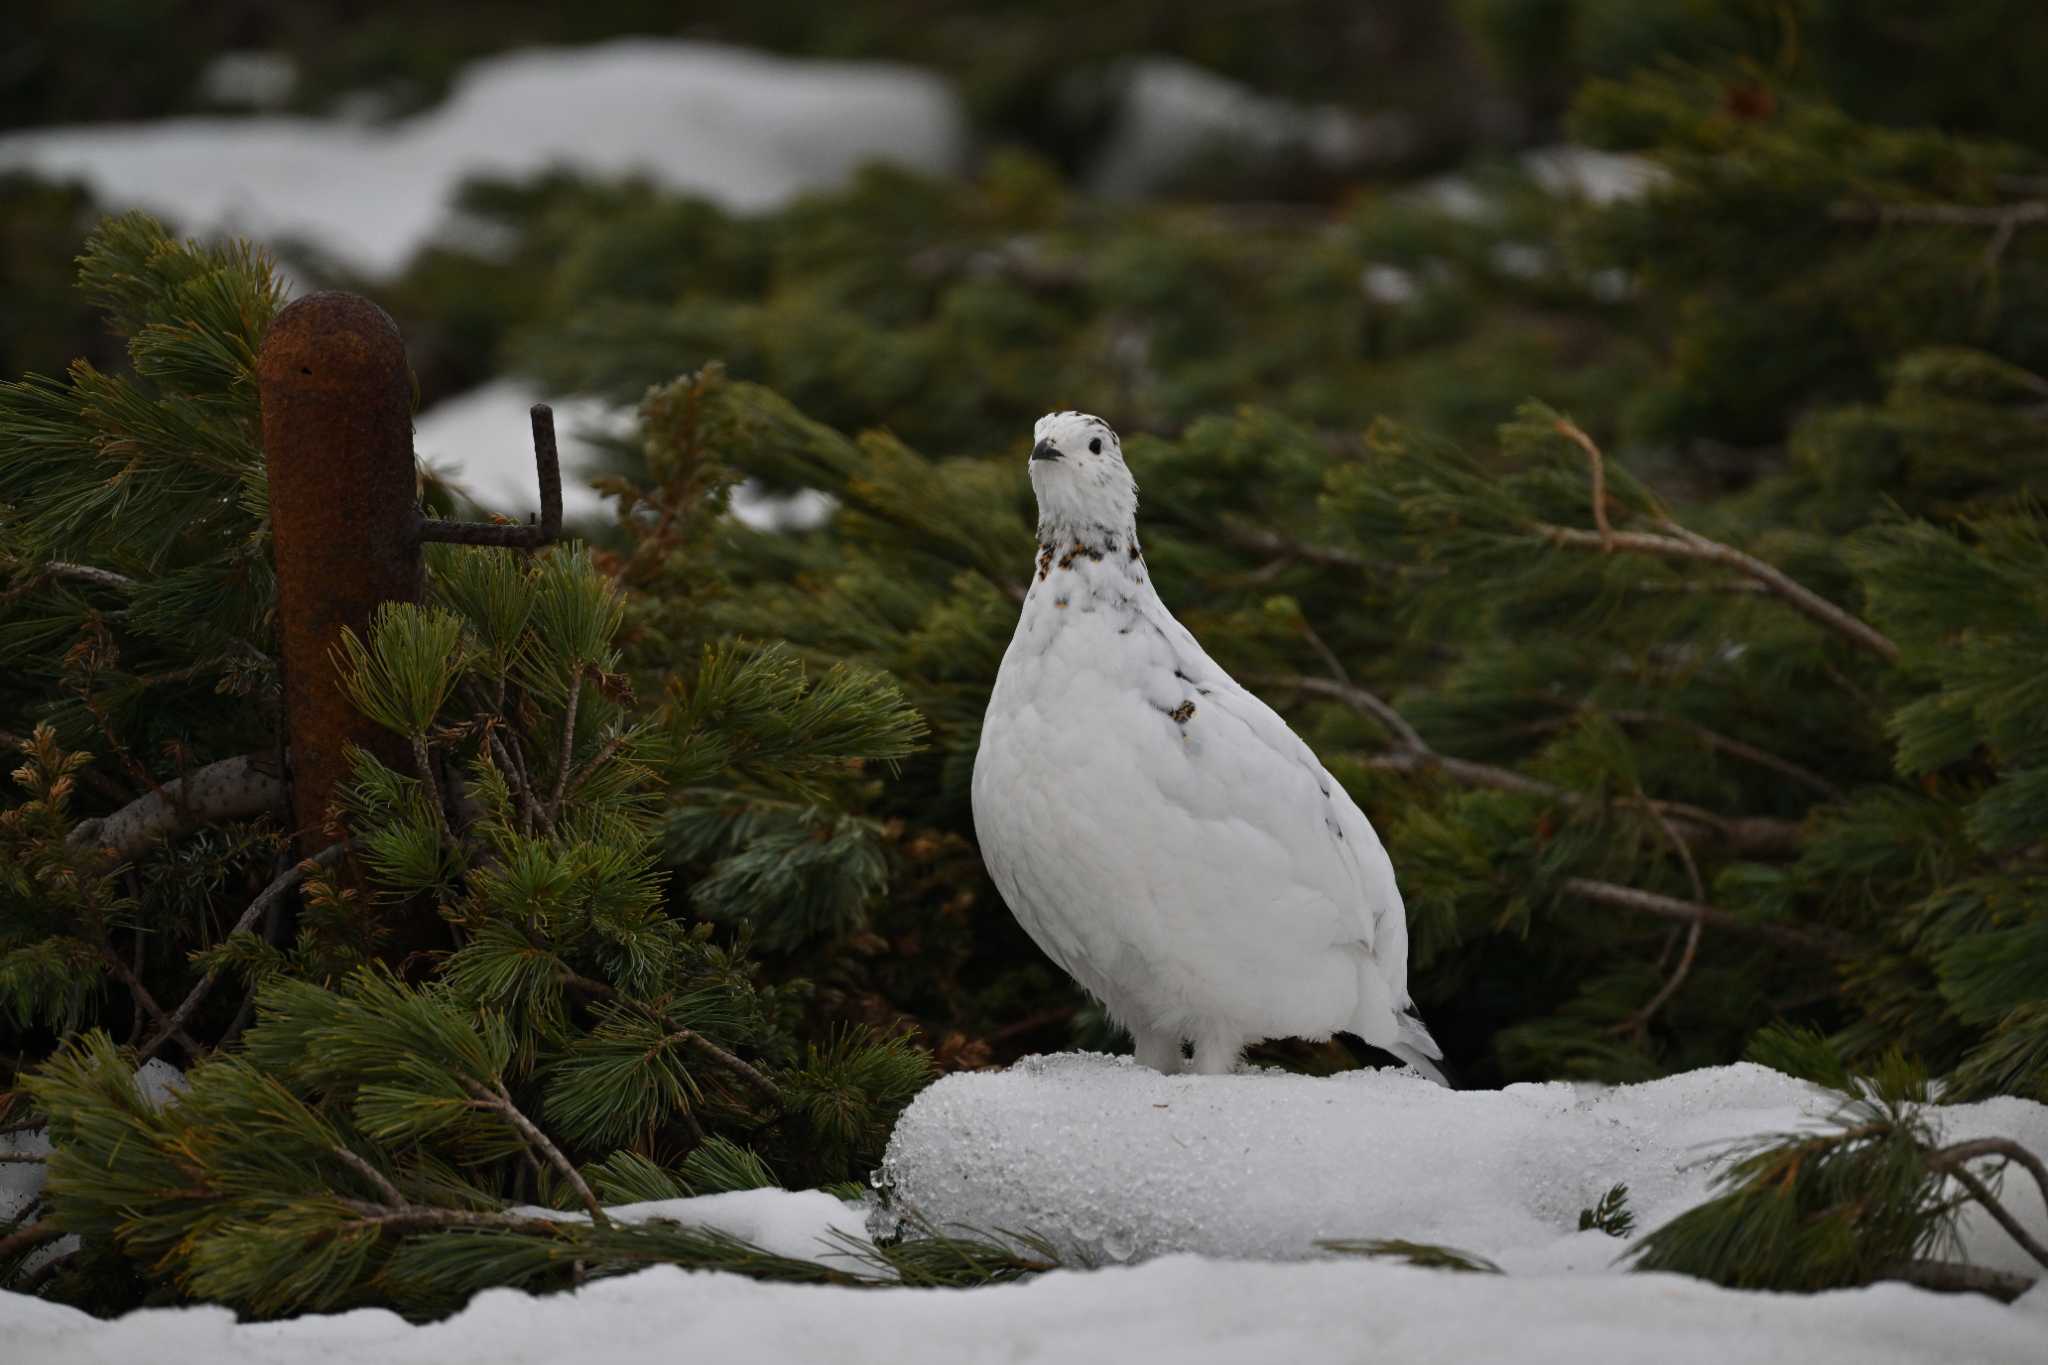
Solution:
(149, 1003)
(1571, 431)
(269, 896)
(1639, 1021)
(1949, 1277)
(1749, 834)
(1690, 912)
(2004, 220)
(1952, 1161)
(231, 789)
(1672, 541)
(498, 1099)
(29, 1238)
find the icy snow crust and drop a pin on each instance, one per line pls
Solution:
(745, 129)
(1113, 1162)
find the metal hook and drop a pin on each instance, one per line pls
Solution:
(547, 463)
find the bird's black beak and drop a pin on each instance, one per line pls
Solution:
(1044, 451)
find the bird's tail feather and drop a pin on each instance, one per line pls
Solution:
(1416, 1047)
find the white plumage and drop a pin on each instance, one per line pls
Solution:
(1158, 830)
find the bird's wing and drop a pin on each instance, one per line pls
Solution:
(1288, 793)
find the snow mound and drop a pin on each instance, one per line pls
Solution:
(1114, 1162)
(1182, 1309)
(745, 129)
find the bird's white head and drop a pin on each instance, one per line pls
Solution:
(1083, 486)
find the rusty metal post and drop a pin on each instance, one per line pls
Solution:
(337, 441)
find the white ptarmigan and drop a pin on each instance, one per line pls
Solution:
(1156, 828)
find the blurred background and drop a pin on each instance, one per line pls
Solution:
(446, 158)
(1778, 256)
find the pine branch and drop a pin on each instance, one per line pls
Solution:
(689, 1037)
(1735, 748)
(231, 789)
(1690, 912)
(1639, 1021)
(269, 896)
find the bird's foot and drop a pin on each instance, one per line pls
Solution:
(1217, 1055)
(1161, 1052)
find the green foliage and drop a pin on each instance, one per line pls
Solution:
(1611, 1215)
(502, 984)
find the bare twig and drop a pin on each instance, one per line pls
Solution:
(1639, 1021)
(371, 1174)
(1949, 1277)
(1735, 748)
(29, 1238)
(1570, 430)
(1670, 907)
(2003, 219)
(149, 1004)
(269, 896)
(1750, 834)
(231, 789)
(86, 573)
(497, 1098)
(1952, 1161)
(568, 746)
(1672, 541)
(1261, 541)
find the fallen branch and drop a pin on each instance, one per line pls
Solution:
(231, 789)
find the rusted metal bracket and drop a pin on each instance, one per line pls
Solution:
(547, 465)
(345, 523)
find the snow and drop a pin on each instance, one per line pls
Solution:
(1245, 1168)
(1113, 1162)
(1183, 1308)
(482, 441)
(805, 1225)
(1172, 114)
(745, 129)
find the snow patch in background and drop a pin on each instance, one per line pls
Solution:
(1182, 1309)
(1111, 1161)
(482, 442)
(1173, 114)
(747, 130)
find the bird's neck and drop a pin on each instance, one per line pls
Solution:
(1091, 535)
(1087, 568)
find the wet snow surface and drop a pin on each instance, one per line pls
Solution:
(1113, 1160)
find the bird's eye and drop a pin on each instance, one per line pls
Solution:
(1095, 446)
